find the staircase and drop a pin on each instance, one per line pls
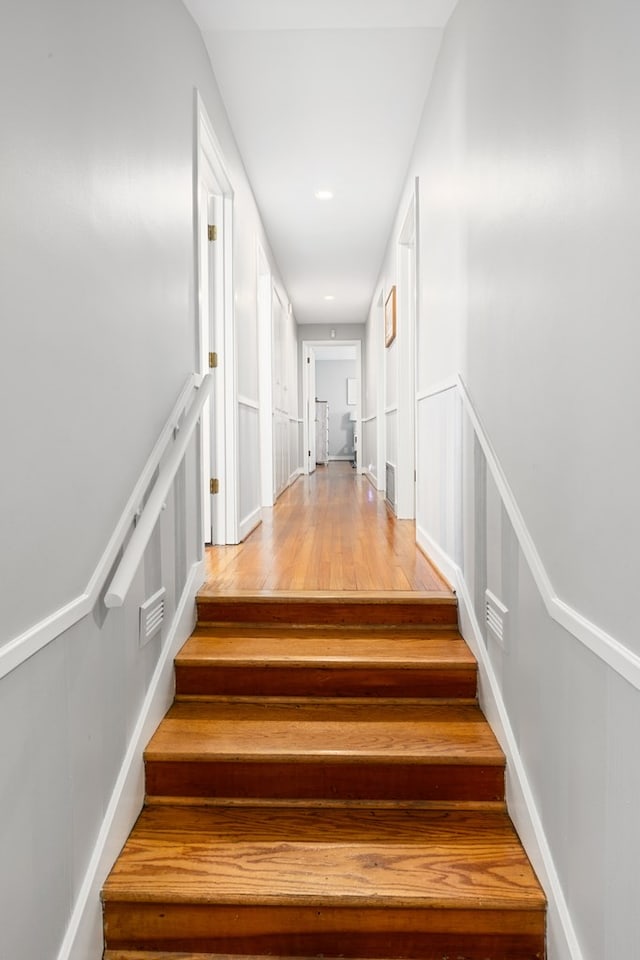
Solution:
(324, 785)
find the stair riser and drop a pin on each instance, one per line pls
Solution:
(326, 612)
(324, 780)
(311, 931)
(241, 681)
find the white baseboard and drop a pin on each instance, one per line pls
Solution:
(83, 939)
(520, 799)
(250, 522)
(294, 476)
(372, 478)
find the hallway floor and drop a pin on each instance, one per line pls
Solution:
(328, 531)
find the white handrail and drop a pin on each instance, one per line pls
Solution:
(134, 551)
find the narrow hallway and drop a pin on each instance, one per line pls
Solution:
(328, 531)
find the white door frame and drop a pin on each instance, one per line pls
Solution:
(216, 317)
(381, 373)
(308, 402)
(407, 266)
(264, 295)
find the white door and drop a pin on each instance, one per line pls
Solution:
(206, 202)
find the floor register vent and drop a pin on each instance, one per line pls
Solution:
(151, 616)
(496, 617)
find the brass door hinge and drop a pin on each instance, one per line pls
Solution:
(213, 361)
(212, 232)
(214, 485)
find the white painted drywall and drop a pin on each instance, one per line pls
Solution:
(528, 157)
(98, 335)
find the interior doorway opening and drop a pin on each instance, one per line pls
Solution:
(332, 389)
(213, 202)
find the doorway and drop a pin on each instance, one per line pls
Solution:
(406, 382)
(215, 334)
(334, 368)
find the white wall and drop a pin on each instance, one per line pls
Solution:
(98, 332)
(331, 385)
(528, 158)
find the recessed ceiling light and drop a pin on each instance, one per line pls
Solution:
(323, 194)
(329, 296)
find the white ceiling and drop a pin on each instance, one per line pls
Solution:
(325, 94)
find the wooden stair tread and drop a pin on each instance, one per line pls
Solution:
(323, 607)
(266, 731)
(327, 648)
(402, 662)
(367, 858)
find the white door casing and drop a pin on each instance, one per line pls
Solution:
(214, 200)
(309, 395)
(265, 376)
(406, 324)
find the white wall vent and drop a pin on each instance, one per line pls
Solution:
(496, 617)
(151, 616)
(390, 485)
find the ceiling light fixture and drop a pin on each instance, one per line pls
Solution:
(323, 195)
(329, 296)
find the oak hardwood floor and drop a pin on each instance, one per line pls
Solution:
(329, 531)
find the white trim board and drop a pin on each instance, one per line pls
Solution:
(250, 522)
(208, 151)
(442, 387)
(83, 937)
(247, 402)
(16, 651)
(520, 799)
(624, 661)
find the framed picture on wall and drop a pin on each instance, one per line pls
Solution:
(390, 318)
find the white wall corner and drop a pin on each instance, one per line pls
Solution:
(83, 938)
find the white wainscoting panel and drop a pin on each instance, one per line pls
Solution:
(249, 472)
(74, 718)
(560, 696)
